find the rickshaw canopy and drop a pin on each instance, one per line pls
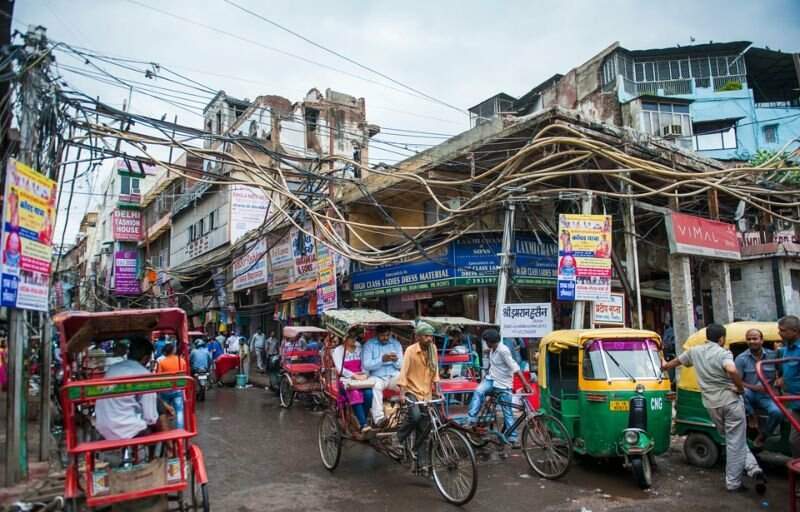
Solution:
(442, 323)
(734, 333)
(339, 321)
(296, 330)
(557, 341)
(79, 329)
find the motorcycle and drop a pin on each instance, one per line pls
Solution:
(201, 376)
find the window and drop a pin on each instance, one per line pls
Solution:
(219, 122)
(622, 359)
(736, 274)
(191, 233)
(665, 119)
(201, 227)
(715, 135)
(211, 221)
(770, 133)
(125, 185)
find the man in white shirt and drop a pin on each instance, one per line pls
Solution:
(499, 379)
(129, 416)
(257, 343)
(232, 344)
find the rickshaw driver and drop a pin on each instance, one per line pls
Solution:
(721, 389)
(383, 358)
(500, 379)
(418, 374)
(130, 416)
(755, 398)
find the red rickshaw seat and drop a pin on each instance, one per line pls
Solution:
(455, 358)
(301, 367)
(112, 444)
(457, 386)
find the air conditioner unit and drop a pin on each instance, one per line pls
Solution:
(671, 130)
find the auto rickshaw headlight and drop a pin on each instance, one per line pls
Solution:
(631, 437)
(640, 388)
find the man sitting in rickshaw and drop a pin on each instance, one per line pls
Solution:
(755, 398)
(499, 380)
(420, 371)
(129, 416)
(382, 358)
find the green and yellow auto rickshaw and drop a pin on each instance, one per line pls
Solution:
(607, 387)
(703, 442)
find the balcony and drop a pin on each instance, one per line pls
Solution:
(685, 86)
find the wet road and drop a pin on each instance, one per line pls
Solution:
(261, 457)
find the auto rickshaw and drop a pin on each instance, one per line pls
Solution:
(607, 387)
(703, 441)
(158, 464)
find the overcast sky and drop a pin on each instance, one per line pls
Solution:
(458, 52)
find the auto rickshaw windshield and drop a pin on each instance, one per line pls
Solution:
(621, 360)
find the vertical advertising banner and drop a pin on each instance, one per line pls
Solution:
(127, 225)
(326, 284)
(584, 257)
(249, 209)
(304, 254)
(29, 210)
(126, 281)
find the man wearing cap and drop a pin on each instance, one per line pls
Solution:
(499, 380)
(419, 373)
(382, 357)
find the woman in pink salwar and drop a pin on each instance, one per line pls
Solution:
(354, 381)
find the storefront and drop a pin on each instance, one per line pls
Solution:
(459, 279)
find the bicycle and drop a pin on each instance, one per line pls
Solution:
(545, 441)
(451, 460)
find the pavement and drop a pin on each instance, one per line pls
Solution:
(262, 457)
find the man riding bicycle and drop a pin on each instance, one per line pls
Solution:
(418, 374)
(499, 380)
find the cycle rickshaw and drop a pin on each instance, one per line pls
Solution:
(300, 364)
(452, 461)
(161, 465)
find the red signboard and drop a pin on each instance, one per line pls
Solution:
(127, 225)
(702, 237)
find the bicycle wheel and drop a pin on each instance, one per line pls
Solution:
(330, 441)
(453, 465)
(286, 392)
(547, 446)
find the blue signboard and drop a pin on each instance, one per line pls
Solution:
(471, 260)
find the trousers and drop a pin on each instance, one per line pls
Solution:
(731, 422)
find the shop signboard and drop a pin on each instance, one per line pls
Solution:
(250, 269)
(127, 225)
(27, 237)
(584, 257)
(611, 312)
(249, 209)
(327, 298)
(126, 281)
(532, 320)
(471, 260)
(696, 236)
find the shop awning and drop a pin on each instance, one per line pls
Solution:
(298, 289)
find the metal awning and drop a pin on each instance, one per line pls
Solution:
(298, 289)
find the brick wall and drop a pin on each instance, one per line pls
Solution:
(754, 293)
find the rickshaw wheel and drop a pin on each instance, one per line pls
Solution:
(700, 450)
(642, 471)
(286, 392)
(547, 446)
(330, 441)
(71, 505)
(199, 493)
(453, 465)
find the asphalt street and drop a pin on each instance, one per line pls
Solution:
(262, 457)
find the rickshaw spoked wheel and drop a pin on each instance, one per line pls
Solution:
(642, 470)
(286, 392)
(199, 493)
(547, 446)
(453, 466)
(330, 441)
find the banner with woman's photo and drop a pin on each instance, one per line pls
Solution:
(29, 216)
(584, 257)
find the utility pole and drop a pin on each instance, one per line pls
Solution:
(506, 259)
(579, 307)
(16, 461)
